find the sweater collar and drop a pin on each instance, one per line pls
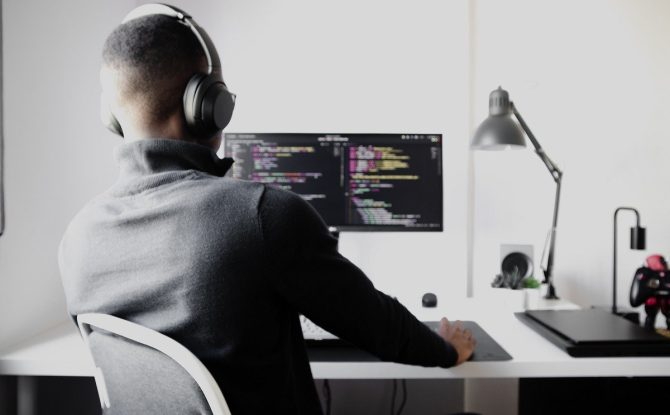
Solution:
(151, 156)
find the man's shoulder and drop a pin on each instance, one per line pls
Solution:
(242, 194)
(285, 212)
(280, 201)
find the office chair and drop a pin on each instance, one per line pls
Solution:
(140, 371)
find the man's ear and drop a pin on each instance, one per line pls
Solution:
(108, 110)
(112, 111)
(109, 85)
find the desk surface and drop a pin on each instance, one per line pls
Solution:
(60, 352)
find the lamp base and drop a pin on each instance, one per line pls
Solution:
(629, 315)
(551, 293)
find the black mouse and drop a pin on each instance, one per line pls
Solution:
(429, 300)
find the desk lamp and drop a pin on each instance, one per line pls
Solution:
(638, 238)
(499, 132)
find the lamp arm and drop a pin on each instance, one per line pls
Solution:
(557, 175)
(552, 240)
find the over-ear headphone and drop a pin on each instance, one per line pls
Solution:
(208, 105)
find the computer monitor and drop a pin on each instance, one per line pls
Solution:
(357, 182)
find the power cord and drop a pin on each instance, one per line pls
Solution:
(394, 393)
(404, 397)
(327, 395)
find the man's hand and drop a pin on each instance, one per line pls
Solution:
(462, 340)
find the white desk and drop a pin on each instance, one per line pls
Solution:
(60, 352)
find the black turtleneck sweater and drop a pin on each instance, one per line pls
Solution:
(225, 267)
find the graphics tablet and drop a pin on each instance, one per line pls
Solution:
(487, 349)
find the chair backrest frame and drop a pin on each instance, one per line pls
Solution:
(155, 340)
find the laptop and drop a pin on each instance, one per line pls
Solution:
(595, 333)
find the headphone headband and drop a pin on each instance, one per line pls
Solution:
(213, 61)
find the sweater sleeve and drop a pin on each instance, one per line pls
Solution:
(318, 282)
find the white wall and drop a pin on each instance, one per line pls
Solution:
(591, 80)
(56, 152)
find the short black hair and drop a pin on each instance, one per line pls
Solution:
(156, 56)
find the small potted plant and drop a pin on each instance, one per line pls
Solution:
(531, 290)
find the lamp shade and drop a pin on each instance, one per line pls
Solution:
(638, 238)
(498, 131)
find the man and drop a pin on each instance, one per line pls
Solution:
(222, 266)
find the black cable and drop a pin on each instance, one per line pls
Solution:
(404, 397)
(327, 395)
(395, 389)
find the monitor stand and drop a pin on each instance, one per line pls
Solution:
(336, 234)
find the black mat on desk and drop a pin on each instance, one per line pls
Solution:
(487, 350)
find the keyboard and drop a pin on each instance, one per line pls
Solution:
(312, 332)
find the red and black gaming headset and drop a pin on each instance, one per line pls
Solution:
(208, 105)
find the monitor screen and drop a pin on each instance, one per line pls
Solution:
(357, 182)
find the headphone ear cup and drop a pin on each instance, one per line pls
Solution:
(218, 106)
(191, 102)
(208, 105)
(107, 117)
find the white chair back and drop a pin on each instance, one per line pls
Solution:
(139, 370)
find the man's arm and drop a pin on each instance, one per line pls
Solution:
(313, 277)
